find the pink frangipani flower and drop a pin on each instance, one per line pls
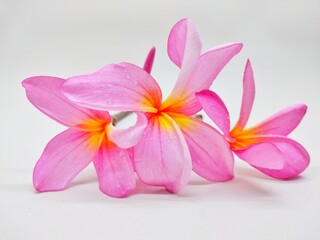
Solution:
(90, 137)
(265, 146)
(172, 138)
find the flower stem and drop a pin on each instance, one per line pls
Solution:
(198, 116)
(121, 115)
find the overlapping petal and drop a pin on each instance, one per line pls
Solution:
(215, 108)
(262, 154)
(210, 152)
(295, 158)
(120, 87)
(263, 146)
(115, 171)
(62, 159)
(184, 45)
(162, 157)
(208, 66)
(281, 123)
(128, 137)
(45, 94)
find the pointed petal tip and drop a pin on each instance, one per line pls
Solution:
(303, 107)
(29, 81)
(25, 82)
(183, 20)
(153, 49)
(149, 60)
(236, 45)
(248, 66)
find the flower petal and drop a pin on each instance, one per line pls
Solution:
(247, 99)
(214, 107)
(281, 123)
(62, 159)
(46, 95)
(296, 159)
(115, 171)
(126, 138)
(119, 87)
(182, 98)
(149, 60)
(162, 157)
(184, 45)
(184, 48)
(210, 152)
(264, 155)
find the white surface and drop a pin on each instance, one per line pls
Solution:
(66, 38)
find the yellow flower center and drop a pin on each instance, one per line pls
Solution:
(98, 132)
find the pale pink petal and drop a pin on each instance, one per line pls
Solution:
(296, 159)
(281, 123)
(149, 60)
(210, 65)
(184, 48)
(182, 99)
(162, 157)
(45, 94)
(247, 98)
(183, 43)
(126, 138)
(119, 87)
(211, 155)
(62, 159)
(115, 171)
(264, 155)
(214, 107)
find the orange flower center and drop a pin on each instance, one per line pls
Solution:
(98, 132)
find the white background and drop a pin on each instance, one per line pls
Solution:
(67, 38)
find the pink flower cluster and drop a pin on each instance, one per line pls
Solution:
(167, 142)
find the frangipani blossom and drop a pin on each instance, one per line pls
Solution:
(172, 137)
(90, 137)
(265, 146)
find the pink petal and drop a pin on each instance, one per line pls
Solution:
(210, 152)
(126, 138)
(209, 65)
(264, 155)
(115, 171)
(281, 123)
(45, 94)
(149, 60)
(247, 99)
(62, 159)
(214, 107)
(119, 87)
(162, 157)
(184, 48)
(296, 159)
(184, 45)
